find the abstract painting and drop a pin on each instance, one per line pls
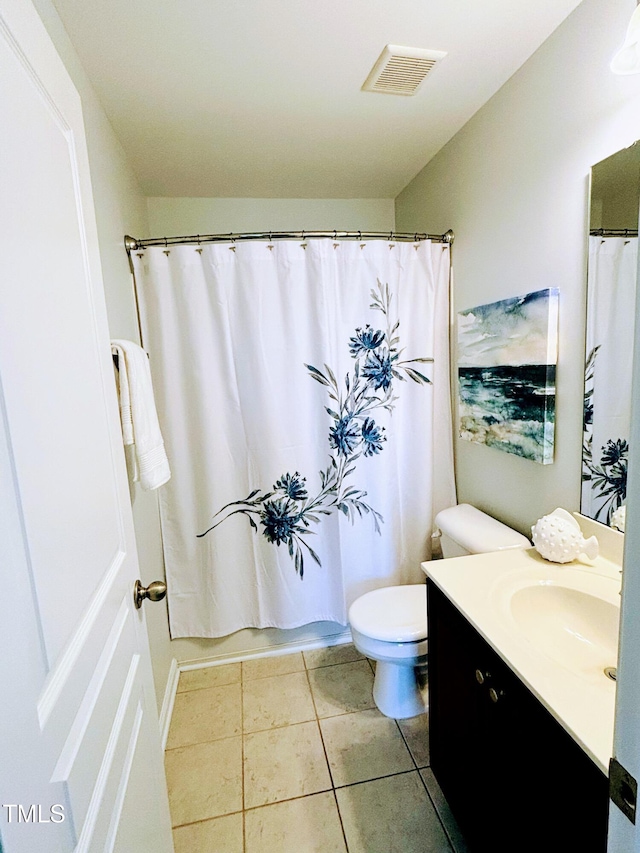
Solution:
(507, 354)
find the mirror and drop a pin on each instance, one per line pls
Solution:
(611, 308)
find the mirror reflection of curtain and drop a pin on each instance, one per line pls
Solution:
(309, 450)
(611, 305)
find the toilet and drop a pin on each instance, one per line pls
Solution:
(389, 625)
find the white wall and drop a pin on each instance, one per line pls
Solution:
(513, 185)
(120, 209)
(176, 216)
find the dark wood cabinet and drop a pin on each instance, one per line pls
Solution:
(513, 777)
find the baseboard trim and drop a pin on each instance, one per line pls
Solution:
(274, 651)
(168, 702)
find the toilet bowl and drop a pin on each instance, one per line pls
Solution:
(389, 625)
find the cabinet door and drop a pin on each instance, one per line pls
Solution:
(552, 796)
(459, 752)
(513, 777)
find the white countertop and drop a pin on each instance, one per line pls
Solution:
(480, 587)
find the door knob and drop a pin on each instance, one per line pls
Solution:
(156, 591)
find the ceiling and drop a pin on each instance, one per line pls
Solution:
(262, 98)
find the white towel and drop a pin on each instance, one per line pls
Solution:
(138, 415)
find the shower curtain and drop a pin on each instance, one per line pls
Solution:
(303, 394)
(611, 307)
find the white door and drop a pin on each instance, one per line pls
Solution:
(80, 756)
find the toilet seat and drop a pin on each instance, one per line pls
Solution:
(393, 614)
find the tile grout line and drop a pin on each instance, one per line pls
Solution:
(215, 684)
(326, 758)
(203, 742)
(288, 725)
(211, 739)
(206, 687)
(317, 721)
(375, 779)
(424, 784)
(324, 747)
(452, 844)
(344, 834)
(406, 743)
(323, 791)
(207, 819)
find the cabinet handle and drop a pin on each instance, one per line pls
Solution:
(481, 676)
(495, 695)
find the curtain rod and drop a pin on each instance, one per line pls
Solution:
(132, 244)
(614, 232)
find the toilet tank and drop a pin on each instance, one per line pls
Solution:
(466, 530)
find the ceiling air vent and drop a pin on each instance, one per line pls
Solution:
(401, 70)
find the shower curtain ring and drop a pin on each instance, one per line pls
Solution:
(335, 234)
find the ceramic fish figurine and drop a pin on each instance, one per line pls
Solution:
(558, 538)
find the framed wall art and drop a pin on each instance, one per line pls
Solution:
(507, 355)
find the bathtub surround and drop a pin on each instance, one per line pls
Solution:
(281, 377)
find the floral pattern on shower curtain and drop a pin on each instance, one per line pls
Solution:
(611, 301)
(287, 512)
(291, 497)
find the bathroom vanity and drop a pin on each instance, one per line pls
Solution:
(521, 711)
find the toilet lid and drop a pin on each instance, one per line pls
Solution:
(397, 614)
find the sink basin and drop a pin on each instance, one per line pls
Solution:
(571, 616)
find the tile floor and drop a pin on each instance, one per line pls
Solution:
(290, 755)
